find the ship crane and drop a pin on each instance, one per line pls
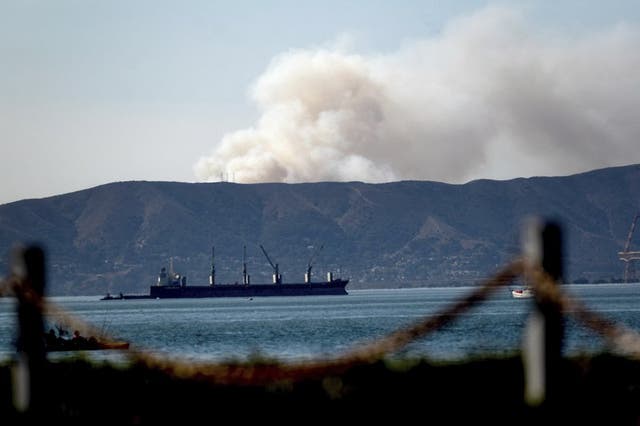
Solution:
(628, 256)
(277, 278)
(307, 276)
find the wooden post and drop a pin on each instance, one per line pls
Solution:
(542, 352)
(28, 269)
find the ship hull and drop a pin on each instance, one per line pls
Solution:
(335, 287)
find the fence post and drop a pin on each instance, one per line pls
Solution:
(542, 352)
(28, 268)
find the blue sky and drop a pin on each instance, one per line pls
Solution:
(93, 92)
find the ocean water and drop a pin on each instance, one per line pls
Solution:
(298, 328)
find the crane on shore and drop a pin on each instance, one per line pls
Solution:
(629, 256)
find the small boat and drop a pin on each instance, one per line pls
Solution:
(88, 345)
(121, 296)
(109, 296)
(522, 293)
(58, 343)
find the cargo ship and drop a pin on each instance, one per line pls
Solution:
(171, 285)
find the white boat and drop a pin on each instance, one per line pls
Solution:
(522, 293)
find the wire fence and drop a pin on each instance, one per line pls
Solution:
(539, 269)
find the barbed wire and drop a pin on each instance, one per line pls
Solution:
(260, 372)
(623, 339)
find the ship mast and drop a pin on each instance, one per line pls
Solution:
(277, 278)
(245, 277)
(212, 277)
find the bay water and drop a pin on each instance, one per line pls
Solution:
(311, 327)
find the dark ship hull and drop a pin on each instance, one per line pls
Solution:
(335, 287)
(171, 285)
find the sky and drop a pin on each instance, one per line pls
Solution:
(93, 92)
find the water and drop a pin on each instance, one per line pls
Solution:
(295, 328)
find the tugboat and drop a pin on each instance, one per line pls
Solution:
(121, 296)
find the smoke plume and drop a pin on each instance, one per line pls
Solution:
(487, 97)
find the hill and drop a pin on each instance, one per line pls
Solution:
(115, 237)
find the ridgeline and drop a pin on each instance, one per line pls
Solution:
(116, 237)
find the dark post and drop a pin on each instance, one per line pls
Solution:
(28, 268)
(545, 331)
(550, 310)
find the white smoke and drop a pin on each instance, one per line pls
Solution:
(487, 97)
